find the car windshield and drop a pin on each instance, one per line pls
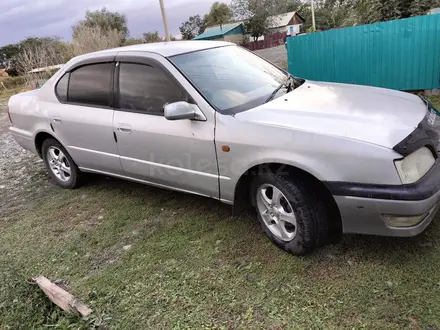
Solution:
(232, 79)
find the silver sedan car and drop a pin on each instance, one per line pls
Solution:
(314, 160)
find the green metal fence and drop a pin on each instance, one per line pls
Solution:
(402, 54)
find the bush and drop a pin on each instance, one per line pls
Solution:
(12, 82)
(133, 41)
(246, 40)
(12, 72)
(92, 39)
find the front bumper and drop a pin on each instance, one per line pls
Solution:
(363, 206)
(365, 215)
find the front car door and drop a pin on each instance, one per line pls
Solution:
(176, 154)
(84, 120)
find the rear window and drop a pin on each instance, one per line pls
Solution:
(61, 88)
(91, 84)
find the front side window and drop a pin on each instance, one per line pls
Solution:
(230, 77)
(91, 84)
(143, 88)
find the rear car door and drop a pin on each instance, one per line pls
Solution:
(84, 122)
(177, 154)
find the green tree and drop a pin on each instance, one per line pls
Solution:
(256, 14)
(257, 25)
(420, 7)
(329, 14)
(106, 20)
(194, 26)
(289, 5)
(7, 53)
(10, 54)
(244, 9)
(219, 14)
(390, 9)
(373, 11)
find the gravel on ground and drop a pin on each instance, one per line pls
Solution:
(276, 55)
(18, 168)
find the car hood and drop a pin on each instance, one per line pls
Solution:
(374, 115)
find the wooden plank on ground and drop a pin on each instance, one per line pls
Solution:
(61, 297)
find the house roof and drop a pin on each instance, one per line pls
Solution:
(283, 19)
(217, 31)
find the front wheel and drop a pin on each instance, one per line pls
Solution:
(290, 213)
(60, 165)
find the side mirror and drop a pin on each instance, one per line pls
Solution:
(183, 110)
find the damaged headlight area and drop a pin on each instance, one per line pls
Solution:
(408, 221)
(415, 165)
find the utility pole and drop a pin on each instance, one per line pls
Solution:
(313, 16)
(164, 19)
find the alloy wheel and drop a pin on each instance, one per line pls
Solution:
(276, 212)
(59, 164)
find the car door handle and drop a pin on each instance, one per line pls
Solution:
(123, 128)
(57, 120)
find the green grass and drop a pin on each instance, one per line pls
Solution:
(6, 94)
(435, 100)
(192, 266)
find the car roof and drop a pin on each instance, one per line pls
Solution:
(169, 48)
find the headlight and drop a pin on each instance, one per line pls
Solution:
(414, 166)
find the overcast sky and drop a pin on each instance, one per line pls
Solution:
(39, 18)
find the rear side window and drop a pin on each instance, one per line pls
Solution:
(91, 84)
(143, 88)
(61, 88)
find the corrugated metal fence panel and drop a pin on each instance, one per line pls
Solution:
(402, 54)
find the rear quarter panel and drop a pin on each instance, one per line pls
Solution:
(29, 116)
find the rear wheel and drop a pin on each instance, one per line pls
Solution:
(290, 213)
(60, 165)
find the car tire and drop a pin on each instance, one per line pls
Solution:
(60, 165)
(306, 225)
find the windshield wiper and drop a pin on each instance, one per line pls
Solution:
(288, 83)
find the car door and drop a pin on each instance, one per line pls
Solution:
(84, 120)
(178, 154)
